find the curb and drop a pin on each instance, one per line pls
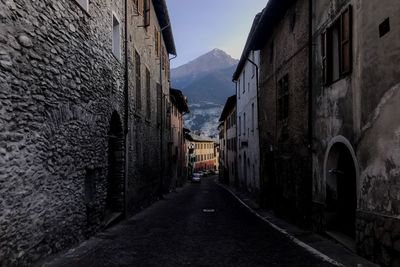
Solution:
(295, 240)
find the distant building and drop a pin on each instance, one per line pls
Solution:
(176, 147)
(228, 143)
(204, 154)
(248, 149)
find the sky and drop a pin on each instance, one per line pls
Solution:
(201, 25)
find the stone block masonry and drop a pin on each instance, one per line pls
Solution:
(62, 142)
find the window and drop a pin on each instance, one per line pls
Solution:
(244, 81)
(148, 95)
(336, 45)
(253, 59)
(244, 123)
(238, 88)
(252, 117)
(116, 38)
(283, 98)
(139, 6)
(146, 15)
(159, 99)
(138, 82)
(83, 4)
(157, 41)
(240, 126)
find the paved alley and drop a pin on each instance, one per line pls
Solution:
(201, 225)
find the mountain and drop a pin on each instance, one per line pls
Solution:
(207, 82)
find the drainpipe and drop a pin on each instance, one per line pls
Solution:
(258, 119)
(126, 118)
(310, 97)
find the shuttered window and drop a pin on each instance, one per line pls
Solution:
(148, 95)
(345, 45)
(336, 48)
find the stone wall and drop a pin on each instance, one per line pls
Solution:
(60, 84)
(357, 110)
(285, 157)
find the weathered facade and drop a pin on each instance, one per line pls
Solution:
(356, 100)
(228, 144)
(177, 145)
(283, 116)
(204, 154)
(248, 140)
(83, 116)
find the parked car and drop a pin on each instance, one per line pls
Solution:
(196, 178)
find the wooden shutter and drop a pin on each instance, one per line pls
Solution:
(346, 41)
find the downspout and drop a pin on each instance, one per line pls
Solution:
(161, 186)
(310, 101)
(258, 118)
(126, 117)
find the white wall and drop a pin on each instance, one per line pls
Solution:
(247, 123)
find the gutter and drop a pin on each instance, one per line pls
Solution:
(310, 98)
(126, 117)
(258, 119)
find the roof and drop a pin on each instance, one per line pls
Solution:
(199, 138)
(160, 7)
(179, 100)
(229, 105)
(271, 15)
(262, 29)
(246, 49)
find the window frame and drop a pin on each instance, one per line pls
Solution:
(84, 6)
(116, 43)
(345, 45)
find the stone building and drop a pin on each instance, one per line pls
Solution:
(177, 145)
(356, 96)
(84, 90)
(203, 152)
(281, 35)
(248, 149)
(228, 143)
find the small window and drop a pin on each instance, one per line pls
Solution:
(116, 38)
(84, 4)
(283, 98)
(146, 15)
(138, 81)
(148, 95)
(336, 48)
(244, 123)
(244, 81)
(252, 117)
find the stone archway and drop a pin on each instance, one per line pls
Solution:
(115, 176)
(341, 176)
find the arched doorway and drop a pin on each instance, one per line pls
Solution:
(341, 188)
(115, 176)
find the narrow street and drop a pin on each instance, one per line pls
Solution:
(201, 225)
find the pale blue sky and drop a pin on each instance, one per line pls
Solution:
(202, 25)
